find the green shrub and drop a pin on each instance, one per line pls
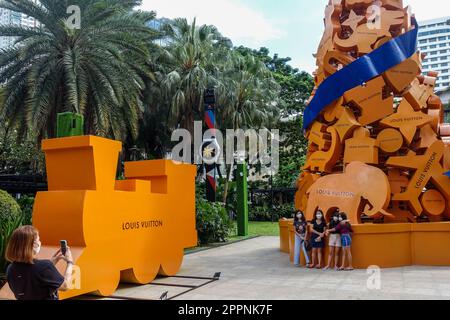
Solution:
(26, 205)
(286, 210)
(259, 213)
(10, 220)
(264, 214)
(213, 222)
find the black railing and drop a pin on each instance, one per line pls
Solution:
(271, 197)
(23, 184)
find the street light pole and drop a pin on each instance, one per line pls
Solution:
(242, 198)
(271, 195)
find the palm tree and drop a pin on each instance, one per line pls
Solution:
(97, 70)
(192, 60)
(248, 93)
(249, 97)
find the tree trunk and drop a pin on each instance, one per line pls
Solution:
(230, 170)
(188, 120)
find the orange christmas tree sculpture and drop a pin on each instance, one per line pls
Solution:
(381, 150)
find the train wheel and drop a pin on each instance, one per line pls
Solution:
(108, 283)
(171, 262)
(143, 274)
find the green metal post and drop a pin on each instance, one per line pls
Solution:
(69, 124)
(242, 200)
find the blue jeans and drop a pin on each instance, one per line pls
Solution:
(346, 241)
(300, 244)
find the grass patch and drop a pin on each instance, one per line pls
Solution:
(216, 245)
(254, 229)
(259, 229)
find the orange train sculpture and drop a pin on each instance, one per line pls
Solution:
(384, 142)
(129, 230)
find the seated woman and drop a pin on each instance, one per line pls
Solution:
(32, 279)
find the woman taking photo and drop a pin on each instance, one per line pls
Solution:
(32, 279)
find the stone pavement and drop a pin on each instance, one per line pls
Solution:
(256, 269)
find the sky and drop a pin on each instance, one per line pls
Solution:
(291, 28)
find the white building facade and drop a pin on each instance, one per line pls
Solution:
(8, 17)
(434, 41)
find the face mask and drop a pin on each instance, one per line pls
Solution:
(36, 248)
(340, 219)
(335, 219)
(319, 216)
(299, 216)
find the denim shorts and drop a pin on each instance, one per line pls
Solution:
(346, 240)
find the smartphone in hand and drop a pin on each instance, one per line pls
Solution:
(63, 247)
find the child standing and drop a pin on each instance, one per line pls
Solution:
(318, 239)
(344, 228)
(301, 234)
(334, 242)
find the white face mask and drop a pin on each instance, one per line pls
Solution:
(319, 216)
(340, 219)
(36, 247)
(335, 219)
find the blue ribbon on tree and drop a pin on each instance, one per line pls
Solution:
(360, 71)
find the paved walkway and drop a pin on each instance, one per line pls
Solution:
(256, 269)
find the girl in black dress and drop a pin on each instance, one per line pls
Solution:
(318, 239)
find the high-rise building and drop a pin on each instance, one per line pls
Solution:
(28, 21)
(157, 24)
(8, 17)
(434, 40)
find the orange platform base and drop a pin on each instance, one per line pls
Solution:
(389, 245)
